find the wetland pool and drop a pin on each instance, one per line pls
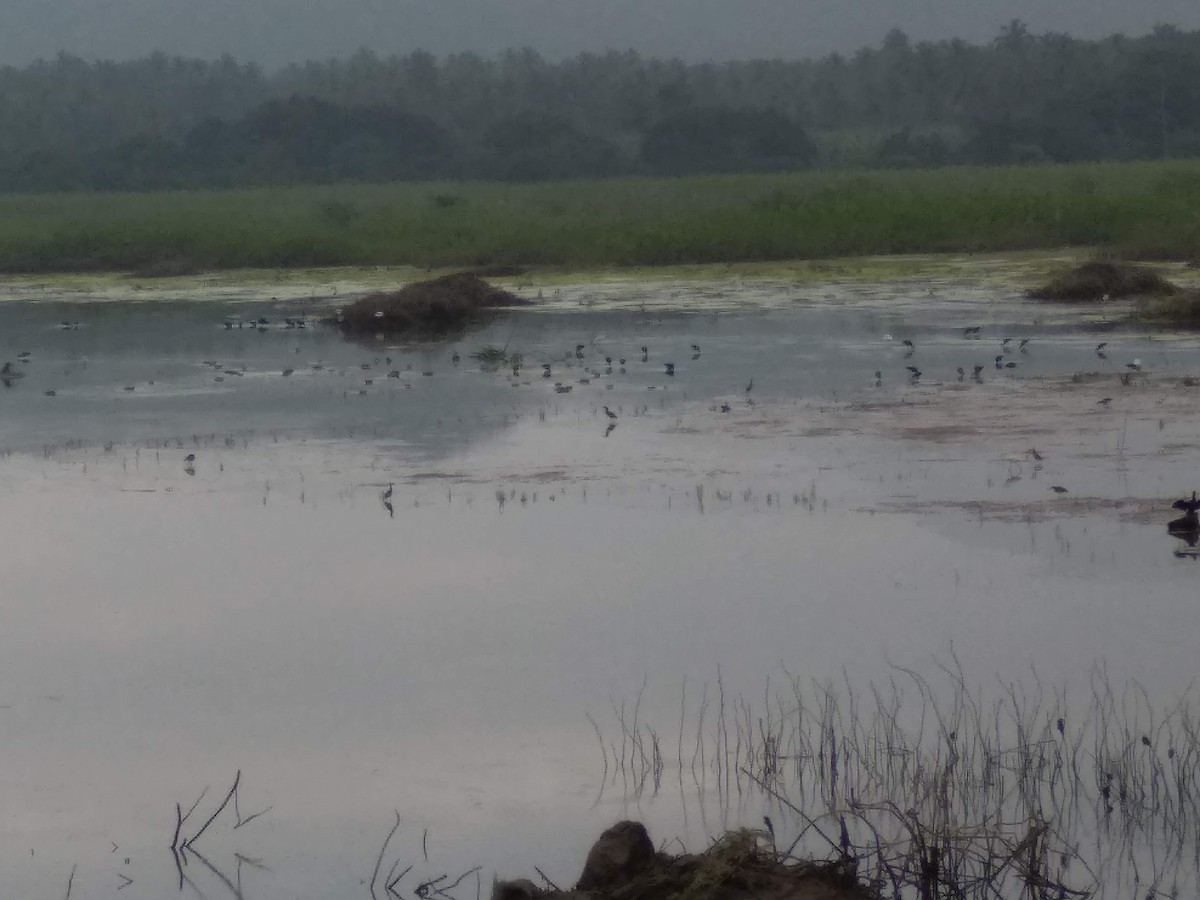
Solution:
(768, 509)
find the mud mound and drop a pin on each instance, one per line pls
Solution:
(441, 305)
(1103, 280)
(743, 865)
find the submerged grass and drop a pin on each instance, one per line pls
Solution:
(1141, 209)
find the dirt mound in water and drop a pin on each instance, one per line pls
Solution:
(1103, 280)
(444, 304)
(743, 865)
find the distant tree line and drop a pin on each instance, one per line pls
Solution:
(160, 122)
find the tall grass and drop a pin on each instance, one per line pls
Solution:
(929, 790)
(1147, 209)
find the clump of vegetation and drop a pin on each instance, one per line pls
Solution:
(430, 307)
(1104, 280)
(1181, 308)
(932, 790)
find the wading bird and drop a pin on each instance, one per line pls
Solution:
(1189, 522)
(608, 412)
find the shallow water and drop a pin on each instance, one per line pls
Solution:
(262, 610)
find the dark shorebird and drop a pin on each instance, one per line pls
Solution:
(1187, 505)
(579, 350)
(878, 377)
(386, 494)
(1104, 401)
(909, 344)
(914, 373)
(189, 459)
(972, 332)
(1004, 344)
(695, 348)
(608, 412)
(725, 407)
(607, 432)
(1100, 346)
(670, 367)
(999, 362)
(750, 386)
(961, 373)
(1010, 365)
(1023, 345)
(560, 388)
(287, 372)
(454, 359)
(1032, 451)
(1058, 489)
(1187, 525)
(1135, 366)
(978, 371)
(545, 370)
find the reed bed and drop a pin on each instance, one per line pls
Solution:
(927, 789)
(1143, 209)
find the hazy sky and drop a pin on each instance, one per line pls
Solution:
(278, 31)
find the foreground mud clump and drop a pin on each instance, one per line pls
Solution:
(743, 865)
(1102, 280)
(444, 304)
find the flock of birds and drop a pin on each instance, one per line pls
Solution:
(1000, 361)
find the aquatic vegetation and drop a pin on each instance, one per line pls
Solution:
(1181, 308)
(434, 307)
(934, 791)
(1104, 280)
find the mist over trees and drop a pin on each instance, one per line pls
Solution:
(162, 122)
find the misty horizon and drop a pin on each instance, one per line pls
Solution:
(275, 33)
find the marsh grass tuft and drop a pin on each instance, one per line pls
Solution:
(429, 307)
(1181, 309)
(936, 792)
(1102, 279)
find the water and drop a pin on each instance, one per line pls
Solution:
(167, 625)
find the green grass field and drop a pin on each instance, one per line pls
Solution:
(1146, 210)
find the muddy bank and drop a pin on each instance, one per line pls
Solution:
(743, 865)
